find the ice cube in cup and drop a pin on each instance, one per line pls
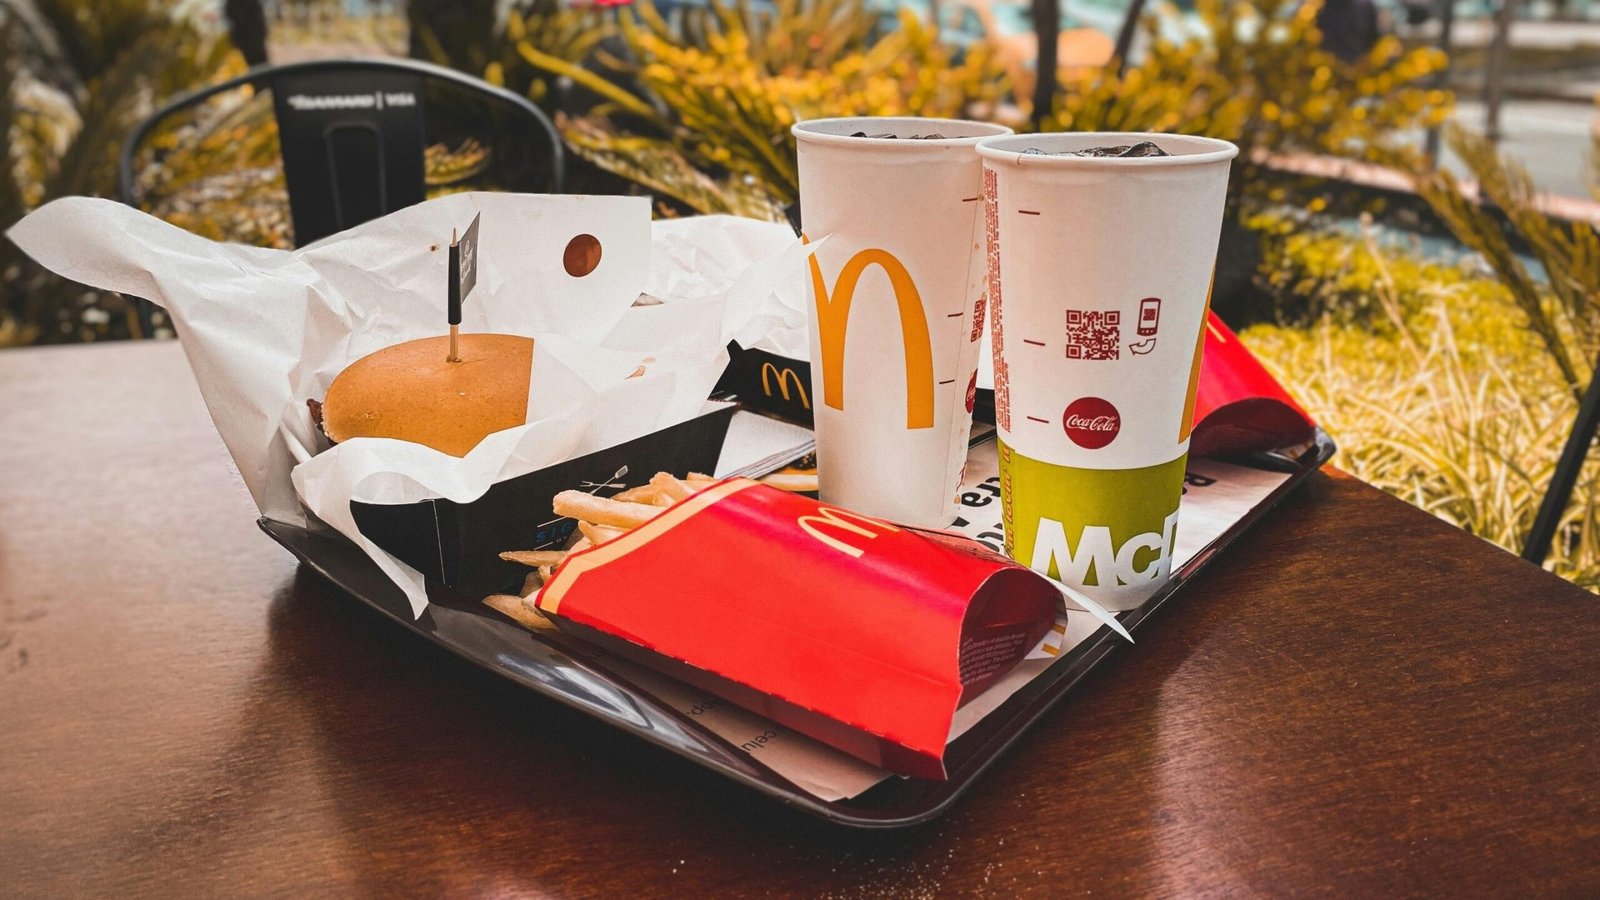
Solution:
(1123, 151)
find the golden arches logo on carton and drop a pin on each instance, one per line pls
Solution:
(784, 376)
(833, 324)
(843, 520)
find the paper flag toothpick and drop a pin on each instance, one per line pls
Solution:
(463, 269)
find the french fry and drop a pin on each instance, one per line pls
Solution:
(602, 510)
(644, 493)
(599, 534)
(506, 603)
(535, 558)
(792, 481)
(517, 609)
(600, 519)
(670, 486)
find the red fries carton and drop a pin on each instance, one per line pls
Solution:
(860, 633)
(1238, 406)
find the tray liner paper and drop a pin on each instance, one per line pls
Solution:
(861, 634)
(1216, 496)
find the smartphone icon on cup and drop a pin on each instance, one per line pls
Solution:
(1149, 316)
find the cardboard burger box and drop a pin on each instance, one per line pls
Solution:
(459, 544)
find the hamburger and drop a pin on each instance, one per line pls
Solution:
(411, 392)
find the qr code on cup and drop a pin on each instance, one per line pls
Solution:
(1094, 334)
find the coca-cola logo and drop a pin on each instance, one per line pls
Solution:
(1091, 423)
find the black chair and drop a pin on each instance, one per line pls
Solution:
(353, 135)
(1565, 477)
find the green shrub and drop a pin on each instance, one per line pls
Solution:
(1309, 272)
(75, 77)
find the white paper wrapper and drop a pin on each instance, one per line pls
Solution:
(694, 258)
(267, 330)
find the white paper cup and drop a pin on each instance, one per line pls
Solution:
(1099, 276)
(897, 291)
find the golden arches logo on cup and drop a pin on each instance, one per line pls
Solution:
(833, 325)
(896, 239)
(1091, 422)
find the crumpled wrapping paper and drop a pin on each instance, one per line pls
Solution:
(774, 322)
(267, 330)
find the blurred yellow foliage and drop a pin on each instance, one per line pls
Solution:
(1259, 77)
(1562, 308)
(738, 94)
(1310, 272)
(552, 30)
(723, 90)
(217, 171)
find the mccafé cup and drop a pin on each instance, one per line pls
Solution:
(1099, 277)
(897, 291)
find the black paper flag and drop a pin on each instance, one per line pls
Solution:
(463, 269)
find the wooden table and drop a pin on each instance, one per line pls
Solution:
(1359, 701)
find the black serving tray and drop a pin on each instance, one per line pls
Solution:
(466, 627)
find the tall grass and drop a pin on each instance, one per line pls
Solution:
(1457, 410)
